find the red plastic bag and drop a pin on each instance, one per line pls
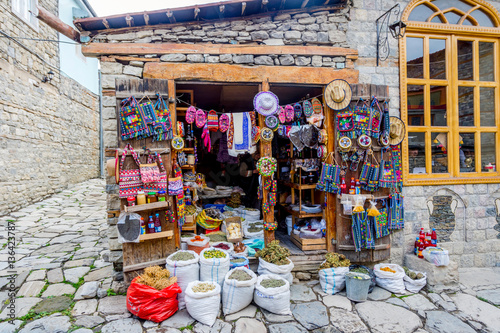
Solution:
(148, 303)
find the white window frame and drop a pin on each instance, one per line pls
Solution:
(27, 15)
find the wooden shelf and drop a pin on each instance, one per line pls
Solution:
(300, 215)
(150, 206)
(192, 167)
(156, 235)
(188, 149)
(299, 186)
(308, 244)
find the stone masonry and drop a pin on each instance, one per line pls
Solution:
(49, 131)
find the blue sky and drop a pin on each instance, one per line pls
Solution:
(111, 7)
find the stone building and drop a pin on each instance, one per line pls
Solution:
(49, 129)
(460, 206)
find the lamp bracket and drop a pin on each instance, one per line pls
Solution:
(383, 24)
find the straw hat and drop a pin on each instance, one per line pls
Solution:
(266, 103)
(113, 167)
(397, 131)
(338, 94)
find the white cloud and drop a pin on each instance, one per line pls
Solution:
(112, 7)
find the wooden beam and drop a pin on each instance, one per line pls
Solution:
(238, 73)
(55, 23)
(125, 58)
(99, 49)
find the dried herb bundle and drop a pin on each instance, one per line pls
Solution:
(412, 275)
(274, 253)
(272, 283)
(182, 256)
(254, 229)
(240, 275)
(237, 260)
(334, 260)
(156, 277)
(203, 287)
(217, 237)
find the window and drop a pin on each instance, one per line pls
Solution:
(27, 11)
(450, 81)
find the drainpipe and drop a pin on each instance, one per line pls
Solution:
(101, 134)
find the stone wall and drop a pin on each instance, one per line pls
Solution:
(49, 131)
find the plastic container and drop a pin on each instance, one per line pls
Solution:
(289, 224)
(141, 198)
(357, 285)
(131, 201)
(162, 196)
(152, 197)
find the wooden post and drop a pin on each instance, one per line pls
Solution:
(331, 203)
(173, 114)
(55, 23)
(266, 151)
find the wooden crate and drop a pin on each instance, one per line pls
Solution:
(308, 244)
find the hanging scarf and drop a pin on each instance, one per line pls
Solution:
(396, 211)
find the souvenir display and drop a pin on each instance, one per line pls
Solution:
(177, 143)
(364, 141)
(161, 183)
(345, 124)
(322, 136)
(267, 166)
(266, 134)
(190, 114)
(307, 108)
(132, 122)
(256, 134)
(224, 122)
(130, 180)
(289, 113)
(317, 107)
(212, 121)
(201, 118)
(297, 109)
(362, 231)
(266, 103)
(272, 122)
(282, 115)
(329, 179)
(338, 95)
(163, 128)
(397, 131)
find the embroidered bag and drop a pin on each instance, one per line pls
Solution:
(161, 183)
(149, 172)
(190, 114)
(329, 179)
(132, 123)
(201, 118)
(345, 124)
(212, 121)
(224, 122)
(308, 109)
(297, 108)
(163, 128)
(317, 107)
(130, 180)
(282, 115)
(148, 110)
(175, 186)
(387, 178)
(289, 113)
(376, 115)
(396, 211)
(362, 119)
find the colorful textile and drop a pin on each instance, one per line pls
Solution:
(382, 223)
(130, 181)
(163, 127)
(132, 122)
(396, 211)
(213, 121)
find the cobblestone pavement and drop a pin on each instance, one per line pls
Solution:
(64, 284)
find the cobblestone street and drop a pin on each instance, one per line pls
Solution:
(65, 285)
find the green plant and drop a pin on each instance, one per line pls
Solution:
(111, 292)
(188, 327)
(334, 260)
(274, 253)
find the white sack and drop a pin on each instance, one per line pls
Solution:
(332, 280)
(285, 271)
(275, 300)
(388, 280)
(237, 295)
(186, 271)
(204, 307)
(214, 269)
(414, 286)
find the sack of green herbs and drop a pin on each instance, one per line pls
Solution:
(332, 273)
(273, 259)
(272, 292)
(203, 301)
(237, 292)
(254, 230)
(184, 265)
(414, 281)
(214, 264)
(239, 261)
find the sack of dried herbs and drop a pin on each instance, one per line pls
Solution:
(332, 273)
(239, 261)
(184, 266)
(272, 292)
(203, 301)
(273, 259)
(214, 264)
(237, 293)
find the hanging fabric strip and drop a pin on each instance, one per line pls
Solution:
(396, 211)
(382, 223)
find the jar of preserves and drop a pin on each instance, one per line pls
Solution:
(131, 201)
(141, 198)
(162, 196)
(152, 197)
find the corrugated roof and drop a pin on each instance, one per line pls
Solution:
(233, 9)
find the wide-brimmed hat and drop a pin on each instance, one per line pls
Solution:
(338, 94)
(397, 131)
(266, 103)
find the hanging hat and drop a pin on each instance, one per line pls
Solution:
(190, 114)
(294, 136)
(338, 94)
(266, 103)
(213, 121)
(397, 131)
(282, 115)
(308, 109)
(224, 122)
(289, 113)
(297, 108)
(309, 136)
(201, 118)
(317, 107)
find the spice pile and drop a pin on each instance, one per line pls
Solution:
(211, 254)
(334, 260)
(217, 237)
(254, 228)
(360, 270)
(203, 287)
(240, 275)
(274, 253)
(234, 230)
(213, 213)
(237, 260)
(412, 275)
(182, 256)
(272, 283)
(235, 200)
(388, 269)
(221, 246)
(197, 239)
(239, 247)
(156, 277)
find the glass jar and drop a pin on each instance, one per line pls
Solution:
(141, 198)
(131, 201)
(152, 197)
(162, 196)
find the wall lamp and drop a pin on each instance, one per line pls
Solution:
(397, 29)
(48, 77)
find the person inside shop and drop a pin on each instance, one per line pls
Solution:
(249, 178)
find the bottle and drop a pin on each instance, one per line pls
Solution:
(428, 237)
(343, 186)
(143, 226)
(415, 250)
(358, 187)
(352, 187)
(157, 223)
(420, 249)
(434, 237)
(421, 235)
(151, 225)
(187, 198)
